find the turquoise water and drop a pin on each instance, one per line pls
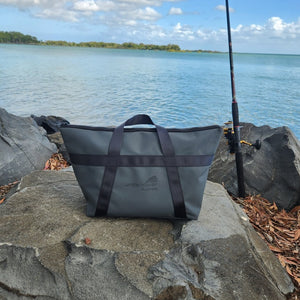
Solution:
(105, 86)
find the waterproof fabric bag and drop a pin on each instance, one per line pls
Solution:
(142, 172)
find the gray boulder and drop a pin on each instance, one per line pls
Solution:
(24, 147)
(49, 249)
(273, 171)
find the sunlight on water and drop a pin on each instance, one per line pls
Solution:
(103, 87)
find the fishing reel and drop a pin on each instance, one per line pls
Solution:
(229, 135)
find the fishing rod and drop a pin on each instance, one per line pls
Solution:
(235, 132)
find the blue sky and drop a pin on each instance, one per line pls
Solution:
(259, 26)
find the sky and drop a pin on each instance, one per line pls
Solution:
(258, 26)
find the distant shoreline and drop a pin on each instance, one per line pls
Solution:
(19, 38)
(118, 46)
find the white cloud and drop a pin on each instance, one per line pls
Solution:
(276, 23)
(74, 10)
(156, 32)
(141, 3)
(144, 14)
(175, 11)
(40, 4)
(274, 35)
(148, 14)
(58, 14)
(223, 8)
(183, 32)
(203, 34)
(89, 5)
(283, 30)
(130, 23)
(274, 27)
(21, 3)
(107, 5)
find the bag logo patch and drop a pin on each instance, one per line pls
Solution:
(150, 184)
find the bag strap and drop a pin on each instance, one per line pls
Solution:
(114, 150)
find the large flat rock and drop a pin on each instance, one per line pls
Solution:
(49, 249)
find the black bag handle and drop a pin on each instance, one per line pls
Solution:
(114, 152)
(163, 136)
(139, 119)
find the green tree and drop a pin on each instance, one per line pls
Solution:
(17, 38)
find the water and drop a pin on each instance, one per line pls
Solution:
(104, 87)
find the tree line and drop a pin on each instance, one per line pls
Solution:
(127, 45)
(17, 38)
(20, 38)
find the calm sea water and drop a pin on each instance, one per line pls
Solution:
(106, 86)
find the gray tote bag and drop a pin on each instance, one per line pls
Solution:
(142, 172)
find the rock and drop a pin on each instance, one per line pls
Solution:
(24, 147)
(50, 123)
(57, 139)
(273, 171)
(49, 248)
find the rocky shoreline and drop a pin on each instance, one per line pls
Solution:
(50, 249)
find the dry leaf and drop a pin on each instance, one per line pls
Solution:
(285, 219)
(2, 200)
(56, 162)
(297, 235)
(274, 206)
(297, 279)
(275, 249)
(289, 270)
(87, 241)
(291, 262)
(47, 165)
(281, 260)
(296, 208)
(294, 259)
